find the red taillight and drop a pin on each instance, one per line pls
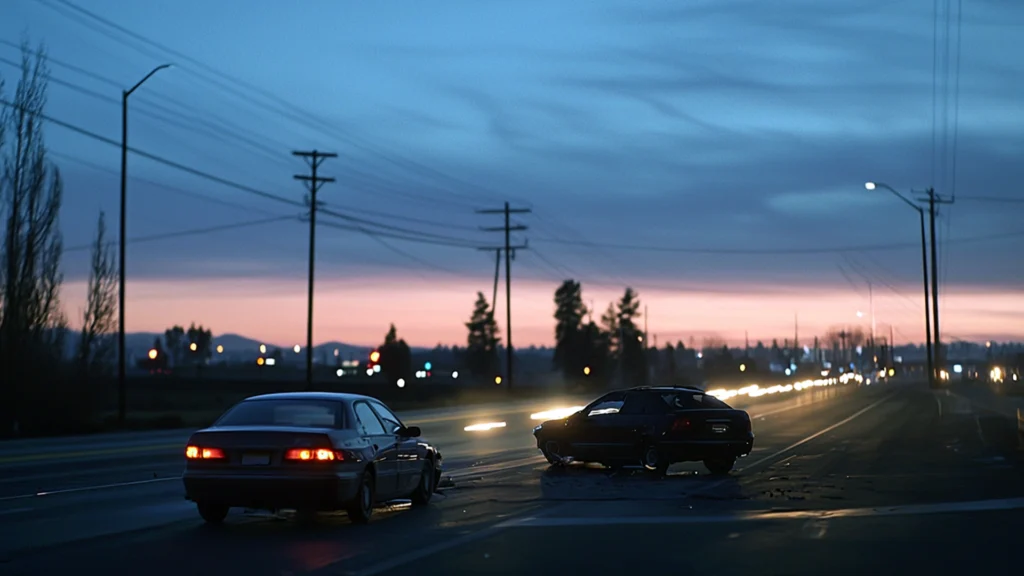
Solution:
(200, 453)
(313, 454)
(681, 425)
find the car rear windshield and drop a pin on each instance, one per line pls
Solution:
(284, 413)
(692, 401)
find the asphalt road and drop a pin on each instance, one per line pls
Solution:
(883, 479)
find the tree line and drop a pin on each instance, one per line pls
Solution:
(39, 387)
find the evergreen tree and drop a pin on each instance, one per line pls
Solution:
(481, 354)
(570, 343)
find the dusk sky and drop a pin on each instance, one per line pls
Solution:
(710, 154)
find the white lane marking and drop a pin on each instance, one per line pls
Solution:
(908, 510)
(981, 433)
(15, 511)
(938, 402)
(817, 434)
(85, 489)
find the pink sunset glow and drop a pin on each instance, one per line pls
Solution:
(428, 313)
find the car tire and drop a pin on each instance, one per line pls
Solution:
(552, 453)
(653, 460)
(425, 489)
(212, 512)
(361, 508)
(719, 466)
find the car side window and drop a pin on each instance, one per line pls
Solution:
(643, 403)
(367, 421)
(610, 404)
(388, 416)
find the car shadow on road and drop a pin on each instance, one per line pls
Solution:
(588, 482)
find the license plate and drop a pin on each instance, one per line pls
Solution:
(255, 459)
(720, 428)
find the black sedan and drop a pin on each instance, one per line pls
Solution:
(308, 451)
(651, 426)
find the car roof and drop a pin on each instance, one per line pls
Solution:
(665, 389)
(335, 396)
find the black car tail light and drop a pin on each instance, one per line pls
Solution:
(682, 425)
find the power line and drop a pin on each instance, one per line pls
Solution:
(281, 106)
(189, 232)
(154, 157)
(770, 251)
(991, 199)
(169, 188)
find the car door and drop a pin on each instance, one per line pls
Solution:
(594, 434)
(384, 446)
(410, 460)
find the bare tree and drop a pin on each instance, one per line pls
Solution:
(95, 348)
(32, 324)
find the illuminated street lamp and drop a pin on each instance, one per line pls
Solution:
(924, 271)
(297, 348)
(153, 354)
(586, 370)
(743, 367)
(220, 349)
(263, 348)
(193, 346)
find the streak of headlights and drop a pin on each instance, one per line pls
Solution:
(484, 427)
(556, 413)
(755, 391)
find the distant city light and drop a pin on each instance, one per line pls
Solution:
(271, 361)
(957, 368)
(336, 352)
(153, 354)
(455, 374)
(586, 370)
(340, 372)
(743, 367)
(259, 361)
(297, 348)
(376, 369)
(263, 348)
(427, 365)
(401, 382)
(369, 371)
(497, 379)
(374, 356)
(193, 346)
(220, 349)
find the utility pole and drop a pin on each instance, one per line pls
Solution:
(508, 228)
(874, 346)
(892, 347)
(313, 183)
(939, 359)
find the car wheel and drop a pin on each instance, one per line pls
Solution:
(361, 509)
(553, 453)
(212, 512)
(425, 489)
(654, 461)
(720, 466)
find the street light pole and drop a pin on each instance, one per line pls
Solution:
(924, 272)
(121, 369)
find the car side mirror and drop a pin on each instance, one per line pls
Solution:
(410, 432)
